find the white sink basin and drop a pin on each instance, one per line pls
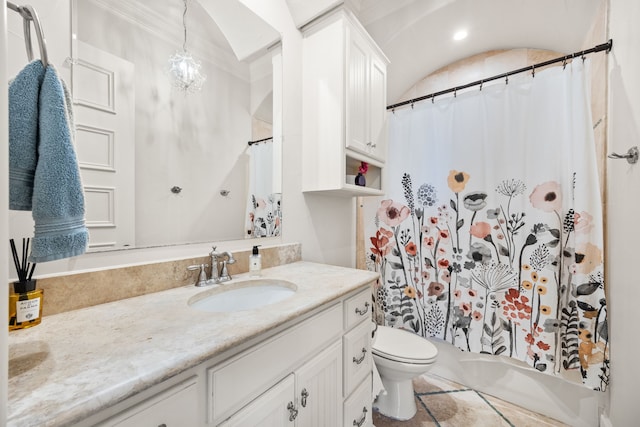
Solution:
(243, 295)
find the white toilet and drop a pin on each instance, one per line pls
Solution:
(399, 357)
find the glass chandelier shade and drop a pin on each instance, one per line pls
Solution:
(184, 70)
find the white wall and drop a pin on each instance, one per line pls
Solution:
(623, 234)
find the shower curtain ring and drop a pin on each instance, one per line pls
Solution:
(455, 92)
(433, 99)
(506, 78)
(481, 83)
(533, 71)
(564, 63)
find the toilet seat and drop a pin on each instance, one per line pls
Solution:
(403, 346)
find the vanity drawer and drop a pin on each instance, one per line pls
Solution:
(176, 406)
(357, 308)
(234, 383)
(357, 362)
(357, 408)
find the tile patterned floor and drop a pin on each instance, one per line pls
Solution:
(442, 403)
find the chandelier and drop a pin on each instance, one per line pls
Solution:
(184, 71)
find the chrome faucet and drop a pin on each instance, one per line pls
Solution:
(219, 262)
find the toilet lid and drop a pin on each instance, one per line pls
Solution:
(403, 346)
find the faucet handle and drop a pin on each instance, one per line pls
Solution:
(202, 276)
(224, 273)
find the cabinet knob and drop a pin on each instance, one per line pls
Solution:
(359, 360)
(162, 425)
(303, 400)
(371, 145)
(364, 311)
(362, 419)
(293, 412)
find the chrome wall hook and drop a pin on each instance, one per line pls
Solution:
(631, 155)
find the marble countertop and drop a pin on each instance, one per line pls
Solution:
(77, 363)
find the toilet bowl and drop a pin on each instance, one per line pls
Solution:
(400, 356)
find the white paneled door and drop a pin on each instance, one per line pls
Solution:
(104, 108)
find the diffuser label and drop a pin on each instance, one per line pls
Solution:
(27, 310)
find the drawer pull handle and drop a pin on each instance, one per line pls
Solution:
(293, 412)
(363, 312)
(361, 359)
(162, 425)
(362, 419)
(304, 395)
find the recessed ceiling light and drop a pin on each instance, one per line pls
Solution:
(459, 35)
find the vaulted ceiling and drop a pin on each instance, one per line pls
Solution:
(417, 35)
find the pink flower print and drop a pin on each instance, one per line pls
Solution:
(446, 277)
(457, 293)
(429, 242)
(435, 289)
(547, 197)
(465, 307)
(392, 213)
(583, 222)
(480, 229)
(382, 243)
(477, 315)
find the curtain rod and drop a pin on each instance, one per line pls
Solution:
(605, 46)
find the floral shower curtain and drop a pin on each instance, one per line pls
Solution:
(490, 236)
(264, 213)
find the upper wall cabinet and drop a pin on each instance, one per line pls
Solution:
(344, 106)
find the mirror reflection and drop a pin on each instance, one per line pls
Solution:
(163, 166)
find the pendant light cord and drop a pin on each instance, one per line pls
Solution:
(184, 25)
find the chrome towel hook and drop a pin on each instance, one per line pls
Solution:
(29, 14)
(631, 155)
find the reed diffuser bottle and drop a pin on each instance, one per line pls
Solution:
(25, 303)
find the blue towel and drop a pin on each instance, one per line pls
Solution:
(58, 198)
(23, 134)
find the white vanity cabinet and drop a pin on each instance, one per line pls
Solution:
(309, 372)
(331, 387)
(309, 397)
(344, 106)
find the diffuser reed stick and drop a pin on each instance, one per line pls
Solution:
(23, 267)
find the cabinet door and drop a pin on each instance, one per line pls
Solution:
(378, 109)
(318, 388)
(357, 110)
(274, 408)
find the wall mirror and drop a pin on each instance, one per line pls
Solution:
(161, 166)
